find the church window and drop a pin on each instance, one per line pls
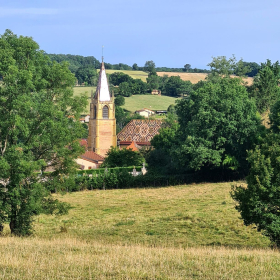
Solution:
(94, 112)
(105, 112)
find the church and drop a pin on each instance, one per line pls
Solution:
(102, 127)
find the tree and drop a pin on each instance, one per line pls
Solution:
(218, 124)
(153, 81)
(117, 78)
(135, 66)
(125, 89)
(87, 75)
(223, 67)
(38, 128)
(122, 157)
(187, 67)
(175, 86)
(259, 202)
(150, 66)
(119, 100)
(265, 89)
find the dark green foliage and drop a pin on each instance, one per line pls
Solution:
(218, 123)
(176, 87)
(125, 89)
(119, 77)
(75, 61)
(259, 202)
(275, 117)
(119, 100)
(135, 66)
(150, 66)
(265, 89)
(36, 102)
(87, 75)
(116, 157)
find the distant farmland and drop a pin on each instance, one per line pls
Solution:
(152, 102)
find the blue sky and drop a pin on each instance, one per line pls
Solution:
(171, 33)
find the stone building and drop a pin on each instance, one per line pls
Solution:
(102, 122)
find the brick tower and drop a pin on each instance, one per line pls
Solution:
(102, 122)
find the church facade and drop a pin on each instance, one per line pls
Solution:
(102, 122)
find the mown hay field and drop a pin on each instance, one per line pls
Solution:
(181, 232)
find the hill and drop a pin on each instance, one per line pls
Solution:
(152, 102)
(87, 91)
(134, 74)
(182, 232)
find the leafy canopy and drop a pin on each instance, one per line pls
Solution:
(122, 157)
(38, 128)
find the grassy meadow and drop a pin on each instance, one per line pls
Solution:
(87, 91)
(152, 102)
(182, 232)
(134, 74)
(133, 103)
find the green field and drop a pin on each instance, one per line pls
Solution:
(182, 232)
(134, 74)
(87, 91)
(152, 102)
(135, 102)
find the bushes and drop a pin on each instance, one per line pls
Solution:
(121, 178)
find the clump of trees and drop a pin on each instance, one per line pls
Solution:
(219, 129)
(117, 157)
(39, 128)
(259, 202)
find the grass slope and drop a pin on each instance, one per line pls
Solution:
(78, 91)
(182, 232)
(134, 74)
(152, 102)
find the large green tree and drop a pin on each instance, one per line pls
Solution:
(266, 89)
(38, 129)
(116, 157)
(218, 123)
(259, 201)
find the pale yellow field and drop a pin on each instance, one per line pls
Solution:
(69, 258)
(192, 77)
(196, 77)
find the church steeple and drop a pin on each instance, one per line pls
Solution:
(102, 123)
(102, 90)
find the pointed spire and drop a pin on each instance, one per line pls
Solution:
(102, 90)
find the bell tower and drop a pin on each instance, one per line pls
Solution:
(102, 122)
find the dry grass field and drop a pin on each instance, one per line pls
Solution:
(69, 258)
(196, 77)
(192, 77)
(182, 232)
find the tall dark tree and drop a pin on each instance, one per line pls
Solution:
(266, 89)
(150, 66)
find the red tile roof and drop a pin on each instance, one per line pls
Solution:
(83, 142)
(133, 146)
(92, 156)
(140, 130)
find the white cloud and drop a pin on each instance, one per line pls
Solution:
(7, 12)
